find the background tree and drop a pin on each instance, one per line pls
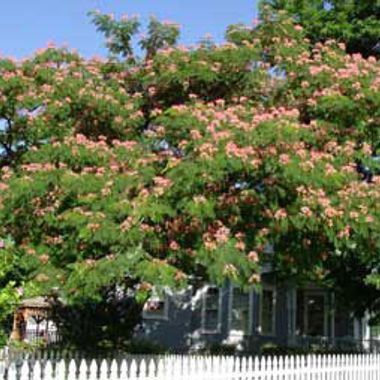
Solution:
(353, 22)
(98, 325)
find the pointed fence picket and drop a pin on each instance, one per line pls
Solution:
(312, 367)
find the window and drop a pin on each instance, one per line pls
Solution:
(211, 310)
(240, 311)
(156, 308)
(315, 314)
(268, 312)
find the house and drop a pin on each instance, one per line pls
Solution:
(227, 318)
(278, 315)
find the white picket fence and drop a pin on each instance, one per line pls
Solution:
(313, 367)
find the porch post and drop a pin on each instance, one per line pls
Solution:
(332, 319)
(366, 331)
(357, 329)
(291, 305)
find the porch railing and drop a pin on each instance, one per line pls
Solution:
(342, 344)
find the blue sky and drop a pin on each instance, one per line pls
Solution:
(27, 25)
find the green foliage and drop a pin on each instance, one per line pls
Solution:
(145, 347)
(9, 298)
(10, 285)
(98, 325)
(160, 35)
(271, 349)
(355, 23)
(119, 34)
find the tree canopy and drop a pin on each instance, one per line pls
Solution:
(192, 164)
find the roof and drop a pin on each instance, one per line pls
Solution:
(36, 302)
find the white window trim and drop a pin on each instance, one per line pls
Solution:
(272, 333)
(217, 330)
(291, 302)
(250, 313)
(162, 317)
(308, 293)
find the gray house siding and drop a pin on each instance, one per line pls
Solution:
(173, 330)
